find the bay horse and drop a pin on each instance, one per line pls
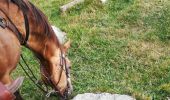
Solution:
(21, 23)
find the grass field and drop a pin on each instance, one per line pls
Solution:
(120, 47)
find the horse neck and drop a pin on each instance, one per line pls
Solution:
(13, 13)
(41, 44)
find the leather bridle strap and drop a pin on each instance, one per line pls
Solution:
(26, 28)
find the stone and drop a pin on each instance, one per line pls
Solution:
(102, 96)
(59, 34)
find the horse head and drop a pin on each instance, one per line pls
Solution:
(56, 71)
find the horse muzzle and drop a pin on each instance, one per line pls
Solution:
(68, 91)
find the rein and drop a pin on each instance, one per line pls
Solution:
(33, 78)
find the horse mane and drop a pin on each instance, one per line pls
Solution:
(21, 4)
(39, 16)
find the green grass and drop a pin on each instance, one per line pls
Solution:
(119, 47)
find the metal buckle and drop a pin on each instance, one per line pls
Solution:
(2, 22)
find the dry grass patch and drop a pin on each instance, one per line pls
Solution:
(147, 52)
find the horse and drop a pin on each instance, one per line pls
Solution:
(21, 23)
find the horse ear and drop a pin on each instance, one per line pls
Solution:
(67, 45)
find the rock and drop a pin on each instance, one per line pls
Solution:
(102, 96)
(60, 35)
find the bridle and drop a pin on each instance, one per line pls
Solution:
(23, 41)
(64, 67)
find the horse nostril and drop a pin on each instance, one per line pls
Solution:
(64, 97)
(69, 66)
